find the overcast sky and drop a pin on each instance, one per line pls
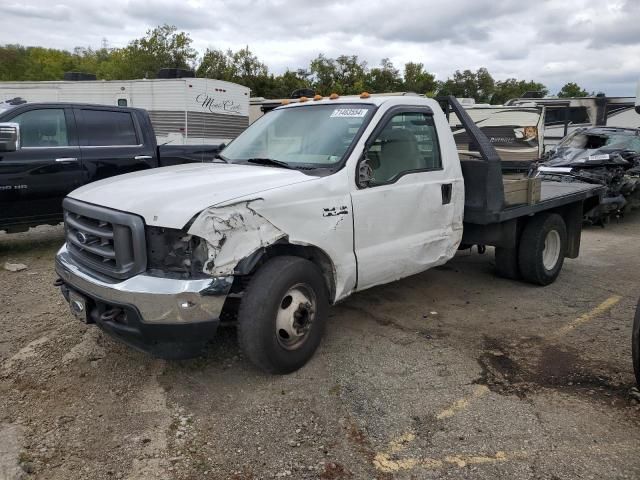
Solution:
(596, 44)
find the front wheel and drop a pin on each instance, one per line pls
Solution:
(542, 248)
(283, 314)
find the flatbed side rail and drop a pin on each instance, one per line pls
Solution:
(483, 186)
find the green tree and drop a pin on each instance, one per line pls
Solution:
(247, 65)
(467, 84)
(383, 79)
(216, 64)
(243, 67)
(284, 85)
(345, 74)
(13, 62)
(350, 74)
(513, 88)
(161, 47)
(323, 74)
(572, 89)
(417, 80)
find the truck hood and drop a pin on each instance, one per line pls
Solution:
(171, 196)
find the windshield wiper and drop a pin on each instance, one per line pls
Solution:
(270, 161)
(217, 156)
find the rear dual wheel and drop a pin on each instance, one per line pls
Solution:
(539, 255)
(543, 245)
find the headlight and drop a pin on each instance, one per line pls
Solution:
(174, 253)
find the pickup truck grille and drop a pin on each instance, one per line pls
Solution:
(104, 240)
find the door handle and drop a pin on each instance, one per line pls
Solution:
(142, 157)
(66, 159)
(447, 188)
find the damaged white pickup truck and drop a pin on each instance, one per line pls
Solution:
(311, 203)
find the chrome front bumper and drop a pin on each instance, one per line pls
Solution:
(159, 301)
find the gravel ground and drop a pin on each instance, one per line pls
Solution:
(452, 373)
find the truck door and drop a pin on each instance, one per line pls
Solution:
(111, 143)
(404, 219)
(44, 169)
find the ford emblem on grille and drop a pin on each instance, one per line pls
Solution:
(82, 237)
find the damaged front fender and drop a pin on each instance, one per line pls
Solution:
(233, 232)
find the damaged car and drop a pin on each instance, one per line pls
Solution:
(607, 156)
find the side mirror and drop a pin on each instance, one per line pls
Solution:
(9, 137)
(365, 172)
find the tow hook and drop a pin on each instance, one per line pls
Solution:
(111, 315)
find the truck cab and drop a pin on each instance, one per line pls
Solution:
(313, 202)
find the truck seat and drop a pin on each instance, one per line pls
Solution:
(399, 153)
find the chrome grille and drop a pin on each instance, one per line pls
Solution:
(107, 241)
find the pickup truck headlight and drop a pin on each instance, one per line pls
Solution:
(175, 253)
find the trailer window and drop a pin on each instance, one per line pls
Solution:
(42, 128)
(574, 115)
(407, 143)
(103, 128)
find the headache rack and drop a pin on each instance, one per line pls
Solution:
(103, 240)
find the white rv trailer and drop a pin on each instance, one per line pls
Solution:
(515, 132)
(564, 115)
(182, 110)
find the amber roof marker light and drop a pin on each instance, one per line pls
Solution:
(334, 96)
(365, 95)
(317, 97)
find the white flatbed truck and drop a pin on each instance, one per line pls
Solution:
(313, 202)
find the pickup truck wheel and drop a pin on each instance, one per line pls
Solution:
(542, 248)
(507, 263)
(282, 314)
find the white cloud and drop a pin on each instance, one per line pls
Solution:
(594, 44)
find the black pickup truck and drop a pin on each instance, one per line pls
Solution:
(49, 149)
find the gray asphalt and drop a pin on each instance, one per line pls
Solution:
(452, 373)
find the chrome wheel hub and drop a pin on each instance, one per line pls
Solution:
(296, 313)
(551, 252)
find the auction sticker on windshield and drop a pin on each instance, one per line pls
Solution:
(349, 112)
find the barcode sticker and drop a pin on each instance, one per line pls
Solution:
(604, 156)
(349, 112)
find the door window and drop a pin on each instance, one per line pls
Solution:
(43, 128)
(407, 143)
(102, 128)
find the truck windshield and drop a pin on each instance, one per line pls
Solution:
(298, 137)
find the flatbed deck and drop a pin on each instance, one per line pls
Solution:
(553, 195)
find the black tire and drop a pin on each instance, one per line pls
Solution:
(532, 247)
(635, 345)
(266, 294)
(507, 263)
